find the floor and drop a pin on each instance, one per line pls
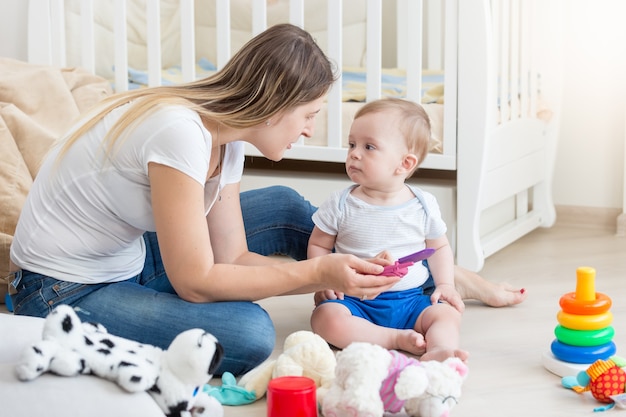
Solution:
(506, 345)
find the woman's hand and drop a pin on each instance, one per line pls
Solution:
(350, 275)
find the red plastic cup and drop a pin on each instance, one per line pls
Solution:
(291, 396)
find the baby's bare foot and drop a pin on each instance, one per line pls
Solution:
(410, 341)
(441, 354)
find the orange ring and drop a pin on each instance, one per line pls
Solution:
(590, 322)
(570, 304)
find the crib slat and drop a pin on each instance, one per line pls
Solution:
(296, 12)
(153, 16)
(335, 19)
(222, 21)
(259, 16)
(121, 48)
(450, 83)
(374, 50)
(401, 30)
(39, 44)
(503, 53)
(524, 60)
(413, 24)
(435, 48)
(514, 53)
(88, 58)
(57, 33)
(187, 40)
(534, 42)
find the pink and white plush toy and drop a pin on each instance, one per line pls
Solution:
(370, 380)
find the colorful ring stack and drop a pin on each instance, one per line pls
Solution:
(584, 333)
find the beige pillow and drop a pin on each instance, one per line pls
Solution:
(37, 105)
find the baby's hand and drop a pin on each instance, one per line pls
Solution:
(449, 294)
(327, 295)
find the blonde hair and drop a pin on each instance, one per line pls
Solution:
(279, 69)
(414, 122)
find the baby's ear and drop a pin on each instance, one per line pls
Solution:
(409, 163)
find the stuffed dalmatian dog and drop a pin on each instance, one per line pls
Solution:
(173, 377)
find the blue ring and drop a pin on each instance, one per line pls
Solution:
(582, 354)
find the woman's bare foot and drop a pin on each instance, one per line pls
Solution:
(410, 341)
(441, 354)
(470, 285)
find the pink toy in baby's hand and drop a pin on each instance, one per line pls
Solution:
(401, 266)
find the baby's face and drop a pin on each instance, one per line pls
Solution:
(376, 148)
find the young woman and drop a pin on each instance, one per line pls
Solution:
(135, 218)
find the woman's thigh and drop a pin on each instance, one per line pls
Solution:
(277, 221)
(134, 311)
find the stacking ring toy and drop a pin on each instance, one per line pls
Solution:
(590, 322)
(582, 354)
(584, 337)
(573, 305)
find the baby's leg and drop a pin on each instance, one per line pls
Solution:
(441, 325)
(336, 324)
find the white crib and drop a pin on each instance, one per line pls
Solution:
(490, 127)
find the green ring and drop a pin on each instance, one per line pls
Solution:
(584, 337)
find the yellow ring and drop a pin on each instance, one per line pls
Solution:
(589, 322)
(570, 304)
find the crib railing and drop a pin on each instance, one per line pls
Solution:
(47, 44)
(426, 36)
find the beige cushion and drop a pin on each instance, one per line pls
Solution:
(37, 105)
(51, 395)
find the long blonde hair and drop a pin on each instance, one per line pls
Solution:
(278, 69)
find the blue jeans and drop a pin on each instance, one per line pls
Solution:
(146, 308)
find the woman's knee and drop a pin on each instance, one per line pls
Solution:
(252, 340)
(275, 206)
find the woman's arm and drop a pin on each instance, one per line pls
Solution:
(206, 259)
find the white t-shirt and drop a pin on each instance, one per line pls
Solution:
(85, 214)
(365, 230)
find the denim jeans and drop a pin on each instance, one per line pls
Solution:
(146, 308)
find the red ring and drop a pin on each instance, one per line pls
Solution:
(570, 304)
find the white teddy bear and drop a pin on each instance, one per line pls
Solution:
(304, 354)
(371, 380)
(174, 377)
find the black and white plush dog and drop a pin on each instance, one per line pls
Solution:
(173, 377)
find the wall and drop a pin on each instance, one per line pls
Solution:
(590, 158)
(589, 167)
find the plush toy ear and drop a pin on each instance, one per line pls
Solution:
(411, 383)
(458, 365)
